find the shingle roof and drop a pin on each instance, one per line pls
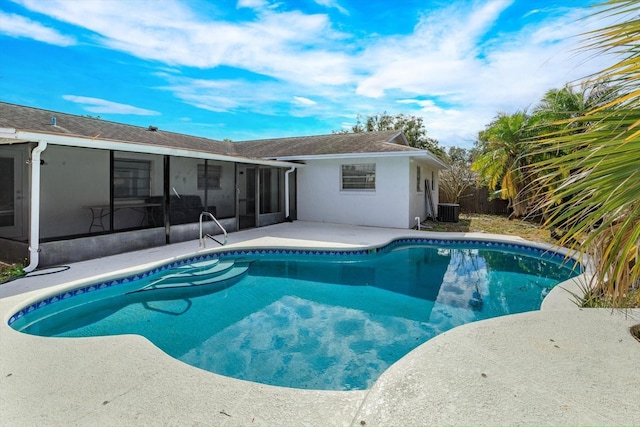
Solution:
(340, 143)
(37, 120)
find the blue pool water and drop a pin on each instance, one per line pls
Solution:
(317, 321)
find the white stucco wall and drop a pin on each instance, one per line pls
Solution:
(321, 199)
(417, 197)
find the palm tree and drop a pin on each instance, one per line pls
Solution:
(503, 161)
(557, 114)
(559, 106)
(568, 102)
(593, 190)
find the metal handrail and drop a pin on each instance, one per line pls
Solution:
(202, 241)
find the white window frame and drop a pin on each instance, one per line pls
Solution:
(137, 184)
(360, 180)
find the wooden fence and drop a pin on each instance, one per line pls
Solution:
(476, 200)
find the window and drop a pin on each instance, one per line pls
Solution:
(418, 180)
(212, 180)
(359, 177)
(131, 178)
(433, 181)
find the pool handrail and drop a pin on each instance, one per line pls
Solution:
(202, 237)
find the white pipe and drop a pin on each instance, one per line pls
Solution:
(34, 221)
(418, 220)
(286, 193)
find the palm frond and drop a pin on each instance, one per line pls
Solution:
(592, 190)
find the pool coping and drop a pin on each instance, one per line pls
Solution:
(142, 385)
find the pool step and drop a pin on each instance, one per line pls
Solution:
(222, 271)
(197, 271)
(199, 264)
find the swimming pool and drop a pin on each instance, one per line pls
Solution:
(306, 319)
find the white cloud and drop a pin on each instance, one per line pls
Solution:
(438, 56)
(257, 5)
(452, 57)
(97, 105)
(427, 106)
(18, 26)
(291, 46)
(332, 4)
(272, 98)
(304, 101)
(213, 95)
(252, 4)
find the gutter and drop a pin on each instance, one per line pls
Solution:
(377, 154)
(104, 144)
(34, 221)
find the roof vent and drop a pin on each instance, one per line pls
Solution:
(152, 128)
(53, 121)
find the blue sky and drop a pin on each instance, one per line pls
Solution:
(250, 69)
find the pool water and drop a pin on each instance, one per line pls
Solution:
(313, 322)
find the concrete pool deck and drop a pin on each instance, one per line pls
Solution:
(558, 366)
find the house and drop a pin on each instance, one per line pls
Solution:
(74, 187)
(371, 178)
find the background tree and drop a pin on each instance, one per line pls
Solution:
(412, 127)
(459, 177)
(506, 151)
(564, 103)
(559, 106)
(593, 189)
(503, 160)
(557, 114)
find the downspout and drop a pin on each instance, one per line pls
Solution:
(34, 221)
(287, 215)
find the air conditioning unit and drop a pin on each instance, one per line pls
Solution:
(448, 212)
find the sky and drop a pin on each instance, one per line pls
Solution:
(253, 69)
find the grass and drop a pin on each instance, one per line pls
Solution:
(596, 300)
(496, 224)
(10, 271)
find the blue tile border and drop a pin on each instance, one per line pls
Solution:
(474, 244)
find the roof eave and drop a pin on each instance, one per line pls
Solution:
(344, 155)
(15, 136)
(433, 158)
(334, 156)
(10, 136)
